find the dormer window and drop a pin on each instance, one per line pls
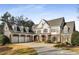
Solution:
(14, 27)
(21, 28)
(27, 29)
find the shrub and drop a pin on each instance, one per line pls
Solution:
(67, 43)
(58, 42)
(48, 41)
(75, 39)
(1, 37)
(5, 48)
(60, 45)
(5, 40)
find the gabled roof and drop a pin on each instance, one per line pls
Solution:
(9, 26)
(35, 25)
(53, 22)
(11, 29)
(71, 26)
(56, 22)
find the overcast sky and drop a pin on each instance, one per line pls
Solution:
(36, 12)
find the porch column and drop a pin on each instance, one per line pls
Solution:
(51, 38)
(46, 37)
(11, 37)
(19, 37)
(61, 38)
(33, 37)
(58, 38)
(40, 38)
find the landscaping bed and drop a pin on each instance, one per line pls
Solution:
(74, 49)
(17, 50)
(67, 47)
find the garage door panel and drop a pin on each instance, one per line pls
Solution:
(15, 39)
(27, 39)
(21, 39)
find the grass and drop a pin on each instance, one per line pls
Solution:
(17, 50)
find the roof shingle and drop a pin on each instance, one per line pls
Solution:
(56, 22)
(71, 26)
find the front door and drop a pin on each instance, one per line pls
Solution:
(54, 39)
(36, 38)
(43, 38)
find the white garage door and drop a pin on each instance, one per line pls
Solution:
(15, 39)
(21, 39)
(27, 39)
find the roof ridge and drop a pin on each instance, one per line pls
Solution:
(70, 21)
(56, 18)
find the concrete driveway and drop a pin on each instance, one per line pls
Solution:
(48, 49)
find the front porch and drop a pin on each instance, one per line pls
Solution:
(46, 38)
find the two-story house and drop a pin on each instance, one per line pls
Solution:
(56, 30)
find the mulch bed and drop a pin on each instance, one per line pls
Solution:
(4, 48)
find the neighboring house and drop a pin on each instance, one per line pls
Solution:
(56, 30)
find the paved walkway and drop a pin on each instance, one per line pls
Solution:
(48, 49)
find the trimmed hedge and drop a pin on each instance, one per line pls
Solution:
(75, 39)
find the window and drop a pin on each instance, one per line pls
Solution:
(66, 29)
(15, 28)
(45, 30)
(54, 30)
(6, 28)
(39, 31)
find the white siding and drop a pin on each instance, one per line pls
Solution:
(43, 25)
(6, 30)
